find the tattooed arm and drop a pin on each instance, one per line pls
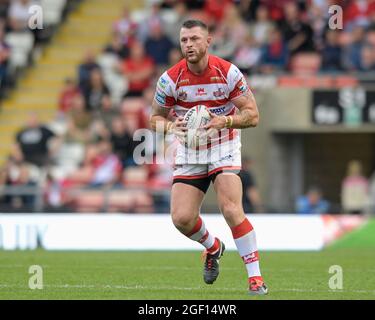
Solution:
(159, 117)
(249, 114)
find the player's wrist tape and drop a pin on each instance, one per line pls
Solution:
(228, 121)
(169, 126)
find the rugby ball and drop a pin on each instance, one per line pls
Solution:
(196, 118)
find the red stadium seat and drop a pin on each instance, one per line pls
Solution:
(120, 200)
(305, 63)
(310, 81)
(345, 81)
(135, 177)
(89, 201)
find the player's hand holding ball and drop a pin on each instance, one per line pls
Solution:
(178, 128)
(216, 122)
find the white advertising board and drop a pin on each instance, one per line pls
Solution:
(149, 232)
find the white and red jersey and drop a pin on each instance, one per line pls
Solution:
(180, 89)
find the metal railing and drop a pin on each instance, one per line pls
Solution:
(35, 199)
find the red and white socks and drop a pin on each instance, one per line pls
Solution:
(201, 235)
(244, 237)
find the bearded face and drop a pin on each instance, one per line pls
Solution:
(194, 43)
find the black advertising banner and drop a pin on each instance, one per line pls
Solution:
(347, 106)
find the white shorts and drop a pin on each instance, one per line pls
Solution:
(200, 175)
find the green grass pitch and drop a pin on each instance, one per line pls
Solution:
(178, 275)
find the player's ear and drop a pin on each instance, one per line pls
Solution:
(209, 39)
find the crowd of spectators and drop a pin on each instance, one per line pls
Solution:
(19, 42)
(263, 36)
(90, 143)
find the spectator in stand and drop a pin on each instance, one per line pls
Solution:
(117, 47)
(229, 34)
(251, 199)
(152, 17)
(95, 91)
(260, 29)
(99, 131)
(367, 58)
(223, 44)
(4, 6)
(138, 69)
(354, 189)
(100, 168)
(108, 111)
(297, 34)
(332, 52)
(56, 194)
(122, 142)
(357, 13)
(19, 14)
(248, 55)
(274, 54)
(69, 92)
(312, 202)
(276, 8)
(172, 29)
(17, 174)
(33, 142)
(85, 68)
(352, 52)
(4, 57)
(318, 20)
(232, 21)
(78, 122)
(216, 9)
(175, 56)
(158, 46)
(106, 165)
(126, 28)
(248, 9)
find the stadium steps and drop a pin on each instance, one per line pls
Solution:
(88, 27)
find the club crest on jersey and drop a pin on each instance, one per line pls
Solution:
(201, 92)
(219, 93)
(182, 95)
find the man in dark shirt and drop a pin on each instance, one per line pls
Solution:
(158, 46)
(251, 200)
(85, 68)
(32, 141)
(122, 142)
(297, 34)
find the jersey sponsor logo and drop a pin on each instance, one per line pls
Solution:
(183, 82)
(201, 92)
(160, 97)
(219, 93)
(219, 110)
(163, 83)
(182, 95)
(228, 157)
(215, 79)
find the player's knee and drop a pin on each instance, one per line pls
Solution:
(181, 219)
(230, 208)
